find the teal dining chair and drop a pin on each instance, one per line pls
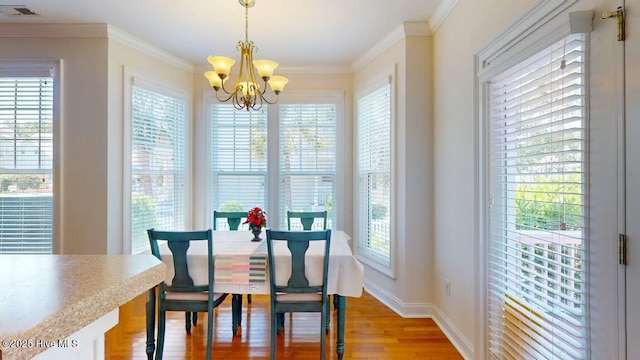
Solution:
(233, 218)
(307, 219)
(297, 294)
(183, 294)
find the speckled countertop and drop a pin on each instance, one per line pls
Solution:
(50, 297)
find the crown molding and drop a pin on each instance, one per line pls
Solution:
(328, 69)
(441, 13)
(416, 28)
(407, 28)
(91, 30)
(152, 50)
(53, 30)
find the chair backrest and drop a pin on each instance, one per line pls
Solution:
(178, 242)
(233, 218)
(307, 218)
(298, 244)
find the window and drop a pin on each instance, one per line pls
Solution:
(283, 157)
(158, 166)
(537, 177)
(238, 159)
(373, 132)
(307, 160)
(26, 159)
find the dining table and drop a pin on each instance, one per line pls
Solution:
(241, 267)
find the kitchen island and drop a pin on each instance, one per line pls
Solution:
(60, 306)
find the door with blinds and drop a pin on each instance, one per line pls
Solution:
(553, 172)
(632, 77)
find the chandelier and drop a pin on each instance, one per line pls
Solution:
(246, 93)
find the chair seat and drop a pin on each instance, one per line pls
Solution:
(298, 297)
(199, 296)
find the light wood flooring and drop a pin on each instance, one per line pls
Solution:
(372, 331)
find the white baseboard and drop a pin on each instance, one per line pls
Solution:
(422, 310)
(464, 347)
(406, 310)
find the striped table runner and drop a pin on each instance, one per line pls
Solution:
(242, 262)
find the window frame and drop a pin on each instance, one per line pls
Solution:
(386, 266)
(139, 78)
(18, 67)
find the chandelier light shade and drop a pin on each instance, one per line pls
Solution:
(247, 93)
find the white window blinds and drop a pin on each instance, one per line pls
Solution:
(26, 162)
(374, 172)
(537, 171)
(307, 160)
(157, 164)
(238, 158)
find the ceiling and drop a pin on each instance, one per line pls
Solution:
(309, 33)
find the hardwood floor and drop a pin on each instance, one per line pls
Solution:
(372, 331)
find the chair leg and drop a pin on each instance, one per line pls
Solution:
(234, 313)
(187, 322)
(209, 333)
(239, 309)
(327, 317)
(195, 319)
(335, 302)
(324, 318)
(249, 298)
(275, 328)
(161, 329)
(280, 318)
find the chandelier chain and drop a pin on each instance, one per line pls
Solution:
(246, 24)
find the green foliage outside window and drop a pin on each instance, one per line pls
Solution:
(232, 206)
(143, 210)
(549, 203)
(378, 211)
(23, 182)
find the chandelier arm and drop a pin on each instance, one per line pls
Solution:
(222, 99)
(236, 102)
(270, 102)
(256, 108)
(225, 90)
(255, 102)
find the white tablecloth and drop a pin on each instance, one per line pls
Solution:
(346, 273)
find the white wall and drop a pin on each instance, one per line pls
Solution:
(409, 292)
(83, 183)
(470, 26)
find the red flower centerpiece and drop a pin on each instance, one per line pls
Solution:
(256, 218)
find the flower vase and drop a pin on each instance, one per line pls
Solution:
(256, 230)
